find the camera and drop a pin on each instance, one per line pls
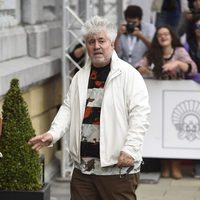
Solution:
(130, 27)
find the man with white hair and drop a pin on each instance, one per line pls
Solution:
(106, 115)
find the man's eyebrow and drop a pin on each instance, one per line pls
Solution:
(100, 38)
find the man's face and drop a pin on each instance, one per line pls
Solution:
(99, 49)
(164, 37)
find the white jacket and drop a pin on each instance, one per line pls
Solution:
(124, 113)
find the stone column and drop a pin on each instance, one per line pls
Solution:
(13, 41)
(31, 11)
(38, 40)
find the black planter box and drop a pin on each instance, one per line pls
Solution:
(43, 194)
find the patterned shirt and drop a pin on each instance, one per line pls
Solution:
(90, 137)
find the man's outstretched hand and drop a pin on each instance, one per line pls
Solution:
(40, 141)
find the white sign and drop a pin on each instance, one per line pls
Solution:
(174, 121)
(7, 4)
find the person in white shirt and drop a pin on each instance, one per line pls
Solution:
(134, 37)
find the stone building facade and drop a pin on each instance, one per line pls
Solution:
(30, 50)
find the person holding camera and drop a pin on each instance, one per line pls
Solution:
(134, 36)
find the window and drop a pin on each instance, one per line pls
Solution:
(10, 13)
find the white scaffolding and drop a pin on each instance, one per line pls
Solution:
(75, 13)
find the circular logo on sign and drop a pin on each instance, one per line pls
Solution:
(186, 119)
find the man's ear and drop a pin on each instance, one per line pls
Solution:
(113, 45)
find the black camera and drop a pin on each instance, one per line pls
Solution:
(130, 27)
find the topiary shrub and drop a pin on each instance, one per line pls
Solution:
(20, 167)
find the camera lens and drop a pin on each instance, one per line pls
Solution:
(130, 27)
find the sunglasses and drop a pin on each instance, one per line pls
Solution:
(197, 26)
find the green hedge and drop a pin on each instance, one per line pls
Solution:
(20, 167)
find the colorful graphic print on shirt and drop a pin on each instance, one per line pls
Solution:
(91, 123)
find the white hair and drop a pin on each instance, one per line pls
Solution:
(98, 24)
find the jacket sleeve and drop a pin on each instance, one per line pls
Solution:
(61, 122)
(184, 56)
(138, 115)
(151, 31)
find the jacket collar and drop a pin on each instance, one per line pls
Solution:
(113, 65)
(83, 79)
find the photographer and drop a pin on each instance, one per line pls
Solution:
(134, 36)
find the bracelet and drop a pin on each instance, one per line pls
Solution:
(189, 69)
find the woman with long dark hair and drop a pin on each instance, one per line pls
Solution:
(167, 59)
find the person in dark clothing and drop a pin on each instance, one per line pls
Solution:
(193, 40)
(193, 47)
(78, 55)
(168, 12)
(194, 9)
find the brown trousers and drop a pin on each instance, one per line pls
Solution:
(111, 187)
